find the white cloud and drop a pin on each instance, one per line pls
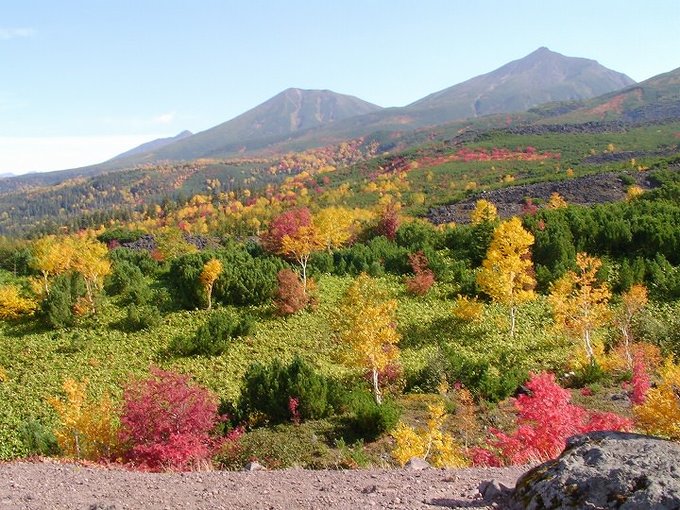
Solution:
(20, 155)
(165, 118)
(15, 33)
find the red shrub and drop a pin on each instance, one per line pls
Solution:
(389, 222)
(423, 277)
(545, 420)
(640, 381)
(285, 224)
(166, 422)
(290, 294)
(293, 408)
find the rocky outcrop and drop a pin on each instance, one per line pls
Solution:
(605, 470)
(587, 190)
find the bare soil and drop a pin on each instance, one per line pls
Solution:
(53, 485)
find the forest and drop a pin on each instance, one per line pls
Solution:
(303, 311)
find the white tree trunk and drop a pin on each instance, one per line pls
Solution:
(376, 387)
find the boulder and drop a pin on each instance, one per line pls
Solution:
(416, 464)
(605, 470)
(492, 490)
(254, 466)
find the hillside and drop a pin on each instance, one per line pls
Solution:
(655, 99)
(153, 145)
(541, 77)
(290, 112)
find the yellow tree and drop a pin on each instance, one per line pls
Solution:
(51, 256)
(12, 304)
(659, 414)
(86, 430)
(431, 442)
(212, 269)
(334, 226)
(632, 302)
(556, 201)
(92, 263)
(300, 245)
(484, 212)
(365, 323)
(507, 271)
(579, 301)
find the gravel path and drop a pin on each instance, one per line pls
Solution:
(26, 485)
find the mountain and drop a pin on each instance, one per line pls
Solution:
(6, 174)
(655, 99)
(541, 77)
(298, 119)
(277, 119)
(153, 145)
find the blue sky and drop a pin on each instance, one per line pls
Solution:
(83, 80)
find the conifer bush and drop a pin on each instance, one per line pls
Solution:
(371, 419)
(267, 390)
(214, 336)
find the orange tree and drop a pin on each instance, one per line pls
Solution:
(580, 302)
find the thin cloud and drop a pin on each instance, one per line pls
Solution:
(15, 33)
(165, 118)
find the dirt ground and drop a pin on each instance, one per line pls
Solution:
(38, 485)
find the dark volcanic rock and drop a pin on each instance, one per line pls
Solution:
(605, 470)
(587, 190)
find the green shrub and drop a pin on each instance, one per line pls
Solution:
(245, 280)
(120, 234)
(370, 420)
(141, 317)
(213, 337)
(139, 258)
(124, 275)
(590, 373)
(267, 390)
(278, 447)
(138, 293)
(38, 439)
(428, 378)
(57, 307)
(489, 381)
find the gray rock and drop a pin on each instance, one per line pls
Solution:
(491, 490)
(254, 466)
(416, 464)
(605, 470)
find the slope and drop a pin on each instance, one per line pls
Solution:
(540, 77)
(291, 111)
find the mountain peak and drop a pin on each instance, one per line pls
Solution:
(542, 76)
(290, 111)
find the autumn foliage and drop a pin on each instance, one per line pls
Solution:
(211, 271)
(579, 301)
(13, 305)
(365, 323)
(166, 422)
(429, 443)
(423, 278)
(290, 293)
(87, 429)
(660, 412)
(507, 271)
(545, 419)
